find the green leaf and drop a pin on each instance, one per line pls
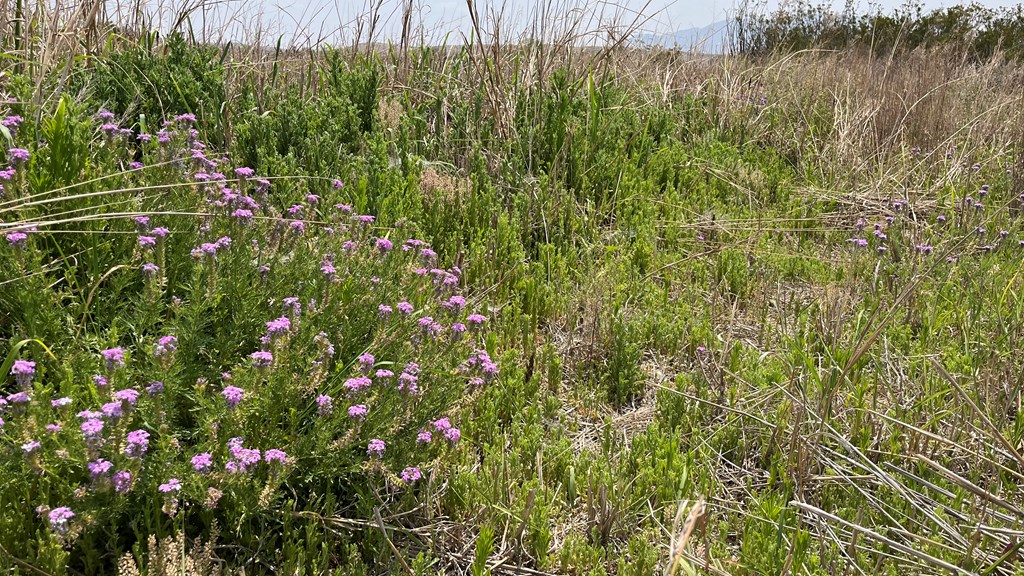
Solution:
(12, 354)
(7, 136)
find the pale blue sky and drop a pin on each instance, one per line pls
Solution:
(338, 20)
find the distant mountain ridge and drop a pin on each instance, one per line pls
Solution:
(712, 39)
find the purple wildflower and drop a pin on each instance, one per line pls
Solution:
(99, 467)
(408, 383)
(233, 395)
(411, 474)
(275, 455)
(358, 411)
(172, 485)
(292, 304)
(357, 384)
(59, 519)
(375, 448)
(12, 123)
(325, 404)
(122, 481)
(18, 155)
(279, 327)
(165, 346)
(128, 395)
(261, 359)
(147, 241)
(202, 462)
(113, 410)
(17, 239)
(19, 398)
(138, 443)
(114, 358)
(23, 372)
(92, 428)
(242, 458)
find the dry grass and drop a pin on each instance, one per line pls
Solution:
(175, 556)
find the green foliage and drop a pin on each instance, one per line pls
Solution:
(64, 158)
(623, 377)
(193, 323)
(159, 78)
(679, 297)
(973, 30)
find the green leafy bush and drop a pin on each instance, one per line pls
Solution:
(285, 354)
